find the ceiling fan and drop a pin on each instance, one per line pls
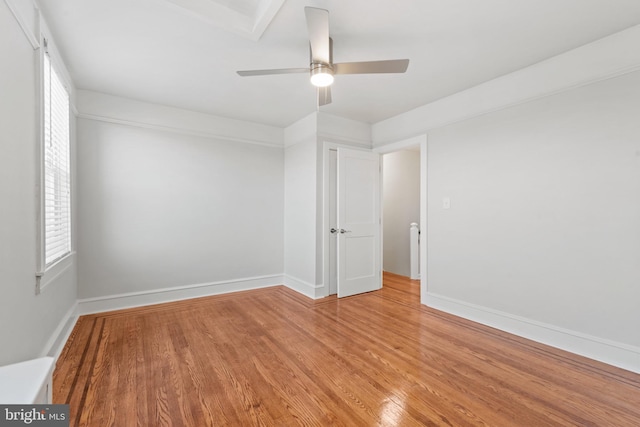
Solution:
(322, 68)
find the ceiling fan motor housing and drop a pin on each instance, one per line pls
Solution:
(321, 73)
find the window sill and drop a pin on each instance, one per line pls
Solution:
(53, 272)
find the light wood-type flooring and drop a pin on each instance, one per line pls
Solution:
(271, 357)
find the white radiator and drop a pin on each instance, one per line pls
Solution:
(26, 382)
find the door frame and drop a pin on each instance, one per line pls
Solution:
(421, 141)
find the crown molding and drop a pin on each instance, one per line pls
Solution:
(603, 59)
(173, 129)
(124, 111)
(23, 23)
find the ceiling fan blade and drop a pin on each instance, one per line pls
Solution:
(274, 71)
(324, 96)
(318, 26)
(371, 67)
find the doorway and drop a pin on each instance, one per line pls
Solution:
(400, 209)
(417, 144)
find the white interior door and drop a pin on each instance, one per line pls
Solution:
(358, 222)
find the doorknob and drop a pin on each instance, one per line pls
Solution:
(333, 230)
(342, 231)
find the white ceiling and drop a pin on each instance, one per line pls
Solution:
(161, 51)
(247, 18)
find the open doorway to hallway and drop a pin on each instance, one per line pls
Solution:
(400, 209)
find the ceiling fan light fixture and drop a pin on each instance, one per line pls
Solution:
(321, 75)
(321, 65)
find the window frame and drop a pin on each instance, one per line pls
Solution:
(47, 274)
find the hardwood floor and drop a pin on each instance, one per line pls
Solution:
(273, 357)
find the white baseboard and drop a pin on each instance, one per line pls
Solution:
(305, 288)
(613, 353)
(158, 296)
(60, 335)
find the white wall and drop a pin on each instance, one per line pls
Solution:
(542, 167)
(545, 210)
(28, 322)
(401, 207)
(161, 209)
(300, 210)
(306, 244)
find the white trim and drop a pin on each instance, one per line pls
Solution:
(326, 215)
(73, 108)
(56, 58)
(264, 15)
(342, 130)
(127, 111)
(483, 110)
(53, 272)
(250, 24)
(326, 127)
(61, 334)
(45, 275)
(173, 129)
(613, 353)
(346, 141)
(600, 60)
(304, 129)
(424, 218)
(308, 139)
(39, 168)
(159, 296)
(305, 288)
(401, 145)
(31, 36)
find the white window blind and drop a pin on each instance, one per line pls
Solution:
(57, 167)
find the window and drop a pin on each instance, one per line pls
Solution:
(56, 182)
